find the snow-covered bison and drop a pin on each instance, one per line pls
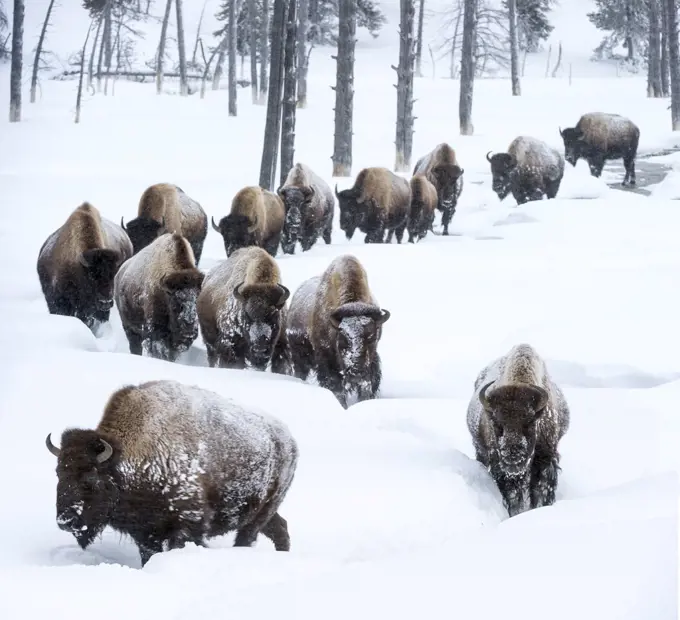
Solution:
(517, 416)
(155, 292)
(170, 464)
(309, 204)
(165, 208)
(334, 326)
(441, 168)
(256, 218)
(530, 170)
(599, 137)
(242, 313)
(379, 201)
(77, 265)
(423, 205)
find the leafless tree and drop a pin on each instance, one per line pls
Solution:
(39, 49)
(419, 40)
(252, 40)
(344, 89)
(467, 67)
(17, 67)
(674, 62)
(198, 34)
(654, 50)
(183, 85)
(233, 95)
(264, 51)
(79, 96)
(289, 100)
(404, 141)
(514, 48)
(161, 47)
(664, 68)
(302, 54)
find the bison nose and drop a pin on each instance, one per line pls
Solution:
(66, 519)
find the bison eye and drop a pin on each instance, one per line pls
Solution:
(498, 429)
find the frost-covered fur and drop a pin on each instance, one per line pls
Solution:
(178, 464)
(334, 326)
(379, 201)
(242, 313)
(530, 169)
(441, 168)
(155, 292)
(309, 204)
(423, 204)
(165, 208)
(599, 137)
(516, 435)
(78, 262)
(256, 218)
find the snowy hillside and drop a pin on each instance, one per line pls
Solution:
(390, 516)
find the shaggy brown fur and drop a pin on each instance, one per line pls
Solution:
(256, 218)
(155, 292)
(171, 463)
(441, 168)
(379, 201)
(242, 314)
(163, 208)
(78, 262)
(423, 205)
(309, 204)
(334, 328)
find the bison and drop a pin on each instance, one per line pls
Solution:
(256, 218)
(379, 200)
(77, 265)
(334, 326)
(598, 137)
(155, 292)
(423, 204)
(165, 208)
(169, 464)
(241, 312)
(517, 416)
(530, 169)
(441, 168)
(309, 205)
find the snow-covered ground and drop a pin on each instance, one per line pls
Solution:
(389, 514)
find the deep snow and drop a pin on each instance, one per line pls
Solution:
(389, 514)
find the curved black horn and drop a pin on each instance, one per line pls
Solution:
(122, 225)
(482, 396)
(384, 315)
(487, 156)
(560, 130)
(51, 447)
(215, 227)
(285, 294)
(107, 454)
(544, 397)
(237, 293)
(336, 191)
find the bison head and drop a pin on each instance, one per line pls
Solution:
(447, 177)
(142, 231)
(357, 329)
(574, 146)
(99, 269)
(238, 231)
(503, 167)
(181, 289)
(351, 211)
(261, 306)
(514, 411)
(297, 201)
(87, 491)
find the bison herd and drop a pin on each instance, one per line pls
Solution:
(221, 467)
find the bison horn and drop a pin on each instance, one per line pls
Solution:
(215, 226)
(122, 225)
(252, 227)
(51, 447)
(385, 315)
(482, 396)
(560, 130)
(237, 293)
(487, 156)
(543, 398)
(83, 261)
(108, 452)
(285, 294)
(335, 321)
(336, 191)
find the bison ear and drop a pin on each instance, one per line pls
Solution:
(285, 294)
(308, 192)
(216, 228)
(457, 172)
(384, 316)
(512, 161)
(281, 192)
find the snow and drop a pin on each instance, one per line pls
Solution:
(389, 514)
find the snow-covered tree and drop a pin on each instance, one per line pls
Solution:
(627, 23)
(323, 19)
(533, 25)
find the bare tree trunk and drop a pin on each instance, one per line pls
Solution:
(289, 103)
(219, 65)
(302, 58)
(161, 48)
(38, 51)
(183, 85)
(665, 68)
(252, 37)
(100, 60)
(108, 23)
(90, 70)
(264, 52)
(16, 71)
(419, 42)
(270, 148)
(630, 21)
(674, 62)
(404, 139)
(654, 54)
(514, 48)
(79, 96)
(559, 60)
(232, 59)
(467, 67)
(344, 89)
(454, 44)
(198, 34)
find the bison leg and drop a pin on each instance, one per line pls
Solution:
(390, 234)
(544, 473)
(148, 545)
(302, 357)
(276, 530)
(197, 247)
(327, 231)
(281, 358)
(272, 244)
(447, 216)
(332, 381)
(309, 237)
(596, 164)
(629, 165)
(399, 232)
(134, 340)
(552, 187)
(515, 490)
